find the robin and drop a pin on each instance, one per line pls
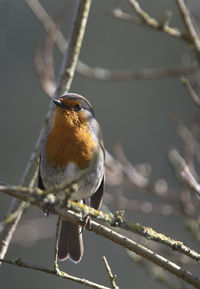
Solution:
(73, 147)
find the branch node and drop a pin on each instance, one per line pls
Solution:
(117, 219)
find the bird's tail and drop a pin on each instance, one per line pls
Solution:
(70, 244)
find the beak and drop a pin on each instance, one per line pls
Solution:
(59, 103)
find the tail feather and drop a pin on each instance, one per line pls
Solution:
(70, 244)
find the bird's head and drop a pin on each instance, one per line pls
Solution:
(72, 109)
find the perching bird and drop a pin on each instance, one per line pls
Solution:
(73, 147)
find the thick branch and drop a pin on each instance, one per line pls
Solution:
(108, 233)
(38, 197)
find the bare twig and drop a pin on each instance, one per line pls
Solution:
(63, 84)
(45, 70)
(119, 14)
(42, 15)
(191, 91)
(9, 224)
(110, 274)
(183, 171)
(56, 245)
(189, 136)
(189, 26)
(145, 19)
(120, 172)
(57, 273)
(104, 74)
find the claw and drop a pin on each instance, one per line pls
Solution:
(48, 209)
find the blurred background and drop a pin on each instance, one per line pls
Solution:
(140, 116)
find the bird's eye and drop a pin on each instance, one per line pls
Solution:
(78, 107)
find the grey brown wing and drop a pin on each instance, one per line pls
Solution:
(40, 182)
(96, 199)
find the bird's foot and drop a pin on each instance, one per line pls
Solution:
(48, 209)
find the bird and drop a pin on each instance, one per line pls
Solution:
(73, 147)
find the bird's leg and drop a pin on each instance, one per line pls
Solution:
(85, 221)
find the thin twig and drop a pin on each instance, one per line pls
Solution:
(8, 225)
(110, 274)
(42, 15)
(189, 26)
(63, 84)
(45, 69)
(188, 200)
(119, 14)
(147, 20)
(120, 172)
(57, 273)
(191, 91)
(104, 74)
(183, 171)
(56, 245)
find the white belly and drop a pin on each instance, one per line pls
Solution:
(88, 180)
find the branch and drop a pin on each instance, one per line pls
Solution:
(8, 226)
(75, 42)
(182, 170)
(145, 19)
(139, 249)
(104, 74)
(99, 73)
(142, 251)
(106, 232)
(57, 273)
(38, 198)
(194, 39)
(120, 172)
(63, 84)
(110, 274)
(191, 91)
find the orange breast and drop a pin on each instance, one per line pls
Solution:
(70, 140)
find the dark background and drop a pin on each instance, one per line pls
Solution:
(136, 114)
